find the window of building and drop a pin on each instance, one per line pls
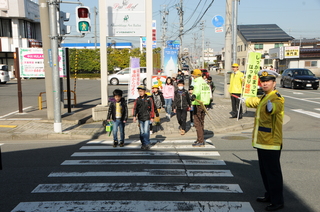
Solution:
(5, 28)
(241, 48)
(268, 62)
(243, 61)
(238, 48)
(311, 63)
(258, 46)
(27, 29)
(277, 45)
(245, 47)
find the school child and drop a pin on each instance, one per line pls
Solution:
(158, 101)
(212, 87)
(168, 94)
(143, 109)
(191, 109)
(157, 117)
(181, 105)
(118, 112)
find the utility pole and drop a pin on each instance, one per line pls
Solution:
(95, 27)
(180, 13)
(44, 22)
(164, 24)
(202, 28)
(55, 65)
(227, 47)
(234, 31)
(195, 38)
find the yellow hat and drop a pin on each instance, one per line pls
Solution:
(235, 65)
(197, 72)
(155, 86)
(142, 87)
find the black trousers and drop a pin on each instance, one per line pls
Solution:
(270, 169)
(182, 117)
(191, 116)
(235, 105)
(199, 115)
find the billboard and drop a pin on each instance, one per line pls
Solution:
(134, 80)
(170, 61)
(125, 18)
(31, 62)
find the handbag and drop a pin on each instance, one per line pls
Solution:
(109, 127)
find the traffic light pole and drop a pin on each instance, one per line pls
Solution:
(55, 65)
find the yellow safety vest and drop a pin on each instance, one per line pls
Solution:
(267, 132)
(236, 82)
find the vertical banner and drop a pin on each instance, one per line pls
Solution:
(134, 80)
(159, 80)
(170, 61)
(251, 79)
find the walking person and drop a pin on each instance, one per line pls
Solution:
(181, 105)
(267, 138)
(118, 112)
(235, 90)
(158, 101)
(143, 109)
(168, 95)
(191, 108)
(200, 98)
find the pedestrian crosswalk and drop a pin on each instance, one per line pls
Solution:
(309, 113)
(172, 172)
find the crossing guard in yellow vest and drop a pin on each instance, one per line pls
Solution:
(267, 138)
(235, 90)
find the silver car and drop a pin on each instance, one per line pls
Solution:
(123, 76)
(4, 74)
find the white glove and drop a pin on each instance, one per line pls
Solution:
(269, 106)
(242, 99)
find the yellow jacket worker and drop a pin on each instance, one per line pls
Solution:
(267, 138)
(235, 90)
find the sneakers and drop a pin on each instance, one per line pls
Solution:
(182, 132)
(146, 147)
(151, 132)
(198, 145)
(115, 143)
(121, 144)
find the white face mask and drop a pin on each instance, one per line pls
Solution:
(180, 87)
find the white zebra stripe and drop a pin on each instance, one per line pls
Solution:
(148, 172)
(310, 113)
(138, 141)
(134, 206)
(141, 161)
(155, 146)
(149, 153)
(137, 187)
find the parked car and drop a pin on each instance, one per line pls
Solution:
(123, 76)
(4, 74)
(205, 71)
(299, 78)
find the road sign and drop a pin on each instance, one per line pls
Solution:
(218, 21)
(218, 29)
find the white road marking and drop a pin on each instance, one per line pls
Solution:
(297, 93)
(310, 113)
(137, 187)
(21, 119)
(15, 112)
(135, 206)
(136, 162)
(148, 172)
(304, 100)
(138, 141)
(149, 153)
(317, 108)
(156, 146)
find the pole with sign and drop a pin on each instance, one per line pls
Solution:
(251, 80)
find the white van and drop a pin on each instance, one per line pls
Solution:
(4, 74)
(122, 77)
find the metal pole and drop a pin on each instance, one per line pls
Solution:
(228, 40)
(95, 28)
(103, 51)
(68, 80)
(202, 28)
(45, 33)
(234, 31)
(149, 50)
(55, 66)
(16, 57)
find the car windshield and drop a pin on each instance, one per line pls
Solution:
(302, 72)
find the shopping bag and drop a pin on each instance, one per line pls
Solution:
(109, 127)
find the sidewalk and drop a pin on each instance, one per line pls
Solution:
(33, 124)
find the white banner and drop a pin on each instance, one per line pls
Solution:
(134, 80)
(126, 18)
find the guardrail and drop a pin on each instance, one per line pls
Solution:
(40, 101)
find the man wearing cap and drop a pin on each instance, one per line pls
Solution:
(201, 94)
(235, 90)
(267, 138)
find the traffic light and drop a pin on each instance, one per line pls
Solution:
(62, 28)
(83, 19)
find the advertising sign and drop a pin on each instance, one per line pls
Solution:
(291, 51)
(170, 61)
(251, 80)
(134, 81)
(173, 44)
(126, 18)
(31, 62)
(159, 80)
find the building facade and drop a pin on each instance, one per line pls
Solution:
(19, 28)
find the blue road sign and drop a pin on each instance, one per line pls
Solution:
(218, 21)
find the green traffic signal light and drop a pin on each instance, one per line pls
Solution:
(83, 26)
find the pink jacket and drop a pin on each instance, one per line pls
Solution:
(168, 91)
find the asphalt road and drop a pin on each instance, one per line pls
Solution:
(27, 164)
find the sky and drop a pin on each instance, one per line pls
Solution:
(298, 18)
